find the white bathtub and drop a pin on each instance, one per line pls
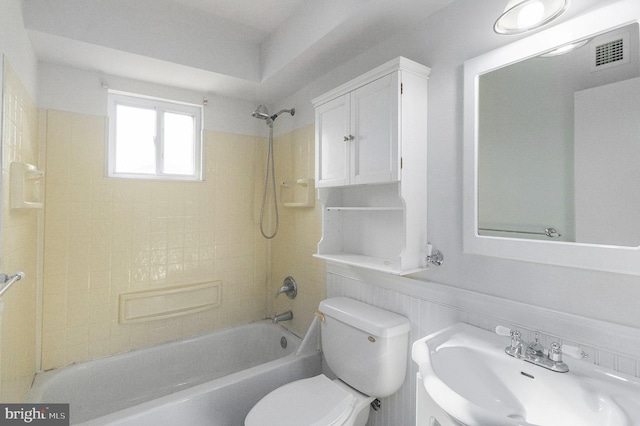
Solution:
(213, 379)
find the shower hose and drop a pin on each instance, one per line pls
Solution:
(270, 169)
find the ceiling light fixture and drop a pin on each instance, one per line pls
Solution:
(525, 15)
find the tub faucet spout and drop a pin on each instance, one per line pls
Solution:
(285, 316)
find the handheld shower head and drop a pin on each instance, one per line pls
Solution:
(260, 115)
(261, 112)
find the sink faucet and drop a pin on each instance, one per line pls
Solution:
(285, 316)
(517, 345)
(534, 352)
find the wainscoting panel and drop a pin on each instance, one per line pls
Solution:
(431, 307)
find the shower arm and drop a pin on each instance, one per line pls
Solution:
(262, 113)
(291, 111)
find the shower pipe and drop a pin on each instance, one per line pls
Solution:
(263, 114)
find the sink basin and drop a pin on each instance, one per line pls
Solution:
(467, 373)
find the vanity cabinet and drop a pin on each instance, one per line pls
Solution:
(428, 413)
(371, 169)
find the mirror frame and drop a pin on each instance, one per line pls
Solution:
(579, 255)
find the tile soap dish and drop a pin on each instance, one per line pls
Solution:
(26, 186)
(302, 193)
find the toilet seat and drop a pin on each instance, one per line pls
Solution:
(316, 401)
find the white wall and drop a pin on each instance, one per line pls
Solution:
(443, 42)
(74, 90)
(15, 45)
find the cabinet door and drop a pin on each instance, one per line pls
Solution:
(374, 120)
(332, 150)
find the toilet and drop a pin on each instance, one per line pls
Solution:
(365, 347)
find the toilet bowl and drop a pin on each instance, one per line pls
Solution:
(365, 347)
(317, 401)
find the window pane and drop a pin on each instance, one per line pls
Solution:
(179, 153)
(135, 134)
(154, 139)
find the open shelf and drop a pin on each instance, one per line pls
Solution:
(365, 209)
(369, 262)
(367, 226)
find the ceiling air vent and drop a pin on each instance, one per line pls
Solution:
(611, 52)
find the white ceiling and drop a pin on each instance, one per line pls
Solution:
(263, 15)
(259, 50)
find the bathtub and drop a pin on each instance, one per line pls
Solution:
(213, 379)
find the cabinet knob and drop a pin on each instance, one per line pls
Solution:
(349, 138)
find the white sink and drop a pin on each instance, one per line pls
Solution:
(467, 373)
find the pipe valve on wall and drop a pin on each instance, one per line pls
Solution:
(434, 256)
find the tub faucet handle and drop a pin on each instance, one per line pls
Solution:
(289, 287)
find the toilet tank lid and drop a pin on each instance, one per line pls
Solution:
(375, 321)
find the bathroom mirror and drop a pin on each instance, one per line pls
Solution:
(552, 145)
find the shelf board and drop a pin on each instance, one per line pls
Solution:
(365, 209)
(304, 204)
(368, 262)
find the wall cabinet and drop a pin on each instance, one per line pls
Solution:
(358, 134)
(371, 169)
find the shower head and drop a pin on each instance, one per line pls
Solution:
(261, 112)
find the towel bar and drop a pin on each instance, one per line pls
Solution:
(8, 280)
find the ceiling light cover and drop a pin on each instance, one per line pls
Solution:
(565, 49)
(525, 15)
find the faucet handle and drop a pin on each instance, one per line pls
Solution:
(289, 287)
(555, 352)
(501, 330)
(516, 347)
(574, 352)
(515, 335)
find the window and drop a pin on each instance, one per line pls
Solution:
(154, 139)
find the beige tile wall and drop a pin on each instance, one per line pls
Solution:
(104, 237)
(19, 250)
(300, 231)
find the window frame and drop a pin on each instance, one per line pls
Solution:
(160, 106)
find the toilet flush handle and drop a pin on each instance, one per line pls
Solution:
(320, 315)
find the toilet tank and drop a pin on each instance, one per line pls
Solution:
(365, 346)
